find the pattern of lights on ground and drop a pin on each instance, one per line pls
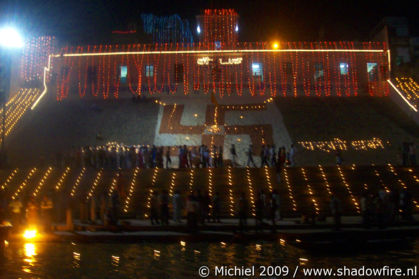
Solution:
(113, 184)
(191, 180)
(251, 192)
(400, 181)
(290, 191)
(17, 106)
(9, 179)
(131, 189)
(94, 185)
(268, 178)
(378, 175)
(343, 145)
(172, 184)
(310, 192)
(77, 183)
(62, 179)
(150, 191)
(348, 188)
(409, 87)
(230, 190)
(24, 183)
(326, 182)
(42, 181)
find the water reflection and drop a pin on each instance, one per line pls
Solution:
(30, 260)
(174, 260)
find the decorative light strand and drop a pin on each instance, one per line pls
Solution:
(77, 183)
(42, 182)
(290, 191)
(311, 192)
(62, 178)
(24, 183)
(94, 185)
(230, 190)
(251, 192)
(9, 179)
(348, 188)
(131, 189)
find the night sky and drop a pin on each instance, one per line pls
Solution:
(90, 21)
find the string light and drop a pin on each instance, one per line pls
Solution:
(290, 191)
(348, 188)
(230, 190)
(24, 183)
(172, 184)
(62, 178)
(113, 184)
(77, 183)
(210, 182)
(131, 189)
(191, 179)
(150, 191)
(268, 178)
(311, 192)
(42, 182)
(326, 182)
(9, 179)
(400, 181)
(251, 192)
(94, 185)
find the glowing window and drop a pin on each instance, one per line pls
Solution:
(372, 70)
(257, 69)
(318, 70)
(344, 68)
(217, 45)
(198, 29)
(149, 70)
(124, 73)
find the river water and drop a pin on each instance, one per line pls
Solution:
(179, 260)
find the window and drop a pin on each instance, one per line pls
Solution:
(178, 73)
(124, 73)
(257, 69)
(149, 70)
(372, 70)
(344, 68)
(318, 71)
(217, 45)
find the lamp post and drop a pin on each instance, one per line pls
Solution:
(9, 39)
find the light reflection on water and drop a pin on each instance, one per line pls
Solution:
(174, 260)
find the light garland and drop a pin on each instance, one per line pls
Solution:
(131, 189)
(62, 178)
(251, 192)
(191, 179)
(400, 181)
(42, 182)
(310, 192)
(113, 184)
(210, 182)
(150, 191)
(172, 184)
(268, 178)
(77, 182)
(326, 182)
(9, 179)
(24, 183)
(94, 185)
(349, 190)
(230, 190)
(290, 191)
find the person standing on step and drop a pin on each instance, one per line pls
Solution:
(154, 208)
(168, 159)
(250, 156)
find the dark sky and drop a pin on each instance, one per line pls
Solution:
(86, 21)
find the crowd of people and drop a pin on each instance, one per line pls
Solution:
(115, 156)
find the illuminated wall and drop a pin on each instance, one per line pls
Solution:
(295, 69)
